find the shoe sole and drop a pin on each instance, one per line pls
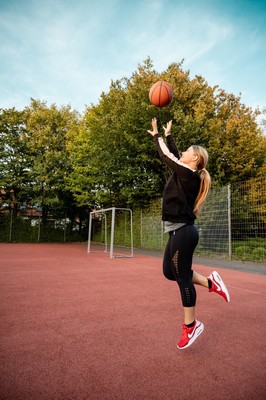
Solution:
(199, 331)
(221, 283)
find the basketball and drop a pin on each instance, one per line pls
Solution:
(161, 94)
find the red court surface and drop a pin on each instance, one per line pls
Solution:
(78, 326)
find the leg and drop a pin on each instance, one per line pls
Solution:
(167, 261)
(182, 244)
(200, 279)
(197, 279)
(189, 315)
(170, 271)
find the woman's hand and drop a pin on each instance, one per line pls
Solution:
(167, 129)
(154, 127)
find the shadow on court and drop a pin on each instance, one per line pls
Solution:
(86, 327)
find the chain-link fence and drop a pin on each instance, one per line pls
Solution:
(26, 224)
(232, 224)
(233, 221)
(248, 220)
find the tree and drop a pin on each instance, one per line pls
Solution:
(113, 155)
(114, 160)
(237, 145)
(15, 180)
(106, 158)
(47, 129)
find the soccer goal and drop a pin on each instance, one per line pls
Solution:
(114, 227)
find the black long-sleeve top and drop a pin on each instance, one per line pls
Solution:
(181, 189)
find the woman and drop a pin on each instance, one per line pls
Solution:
(183, 197)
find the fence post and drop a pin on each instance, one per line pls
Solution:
(141, 228)
(65, 227)
(39, 230)
(112, 233)
(229, 222)
(162, 231)
(89, 233)
(105, 234)
(10, 225)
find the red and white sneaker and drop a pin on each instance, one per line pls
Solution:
(189, 335)
(218, 286)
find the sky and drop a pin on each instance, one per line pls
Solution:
(69, 51)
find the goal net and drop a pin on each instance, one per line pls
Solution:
(111, 231)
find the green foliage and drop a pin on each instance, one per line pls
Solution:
(5, 228)
(60, 160)
(250, 250)
(114, 160)
(47, 129)
(14, 155)
(21, 229)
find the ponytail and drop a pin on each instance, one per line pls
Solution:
(205, 179)
(205, 184)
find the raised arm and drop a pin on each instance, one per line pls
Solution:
(171, 158)
(169, 139)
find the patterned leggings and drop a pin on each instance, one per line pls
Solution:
(177, 262)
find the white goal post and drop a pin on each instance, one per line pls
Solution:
(113, 210)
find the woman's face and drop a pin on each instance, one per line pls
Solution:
(188, 156)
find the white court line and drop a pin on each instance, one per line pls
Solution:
(246, 290)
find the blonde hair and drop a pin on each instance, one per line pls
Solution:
(205, 179)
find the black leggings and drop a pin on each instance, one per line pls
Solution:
(177, 262)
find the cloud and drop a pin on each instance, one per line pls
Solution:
(69, 52)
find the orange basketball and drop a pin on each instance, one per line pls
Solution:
(161, 94)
